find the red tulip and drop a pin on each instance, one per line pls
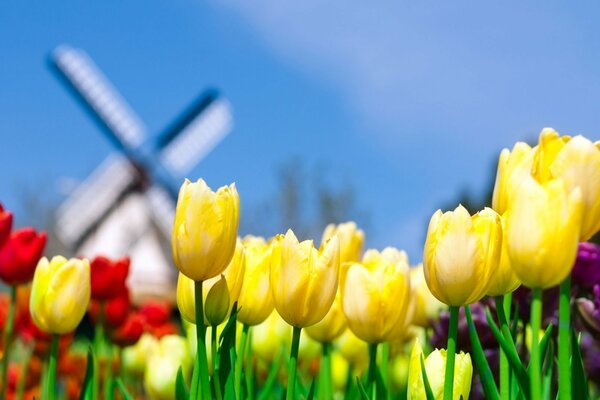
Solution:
(114, 311)
(5, 224)
(108, 277)
(20, 254)
(156, 313)
(129, 332)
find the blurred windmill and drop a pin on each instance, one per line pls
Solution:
(126, 206)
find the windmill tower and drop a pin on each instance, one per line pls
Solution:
(126, 206)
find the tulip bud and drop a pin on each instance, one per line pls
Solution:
(461, 254)
(304, 280)
(376, 295)
(60, 294)
(256, 301)
(435, 366)
(108, 277)
(577, 162)
(217, 302)
(205, 229)
(234, 276)
(427, 307)
(20, 255)
(513, 166)
(163, 363)
(543, 225)
(331, 326)
(351, 240)
(6, 219)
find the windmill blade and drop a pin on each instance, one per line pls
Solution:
(196, 134)
(93, 199)
(99, 96)
(162, 205)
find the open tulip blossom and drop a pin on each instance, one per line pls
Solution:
(505, 303)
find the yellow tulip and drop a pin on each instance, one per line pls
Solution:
(513, 166)
(505, 280)
(351, 240)
(461, 254)
(205, 229)
(163, 363)
(427, 307)
(376, 295)
(577, 162)
(234, 277)
(543, 225)
(304, 280)
(435, 365)
(60, 294)
(255, 302)
(331, 326)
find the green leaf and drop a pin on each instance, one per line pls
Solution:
(311, 392)
(511, 353)
(122, 389)
(428, 391)
(271, 377)
(181, 390)
(481, 363)
(545, 341)
(87, 388)
(361, 389)
(579, 384)
(226, 347)
(547, 368)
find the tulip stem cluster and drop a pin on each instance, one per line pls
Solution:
(451, 353)
(8, 332)
(564, 340)
(291, 387)
(535, 363)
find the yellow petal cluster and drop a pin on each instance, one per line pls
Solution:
(304, 280)
(351, 240)
(435, 365)
(461, 254)
(60, 294)
(255, 302)
(376, 294)
(331, 326)
(205, 229)
(505, 280)
(513, 166)
(542, 235)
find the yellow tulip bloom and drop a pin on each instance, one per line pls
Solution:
(461, 254)
(60, 294)
(164, 361)
(304, 280)
(351, 240)
(435, 366)
(234, 276)
(376, 295)
(577, 162)
(513, 166)
(543, 225)
(505, 280)
(427, 307)
(331, 326)
(255, 302)
(205, 229)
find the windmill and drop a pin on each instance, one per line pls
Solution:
(126, 206)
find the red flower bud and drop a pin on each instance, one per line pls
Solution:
(108, 277)
(20, 254)
(129, 332)
(6, 219)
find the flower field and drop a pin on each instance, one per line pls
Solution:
(505, 304)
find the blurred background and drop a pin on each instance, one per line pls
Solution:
(380, 113)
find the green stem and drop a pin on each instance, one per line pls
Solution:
(10, 319)
(385, 359)
(325, 391)
(239, 361)
(24, 368)
(372, 372)
(450, 353)
(203, 382)
(109, 392)
(564, 340)
(291, 387)
(502, 309)
(535, 368)
(98, 350)
(51, 394)
(215, 366)
(249, 372)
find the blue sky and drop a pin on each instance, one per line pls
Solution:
(411, 102)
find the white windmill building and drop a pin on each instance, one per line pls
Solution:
(126, 206)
